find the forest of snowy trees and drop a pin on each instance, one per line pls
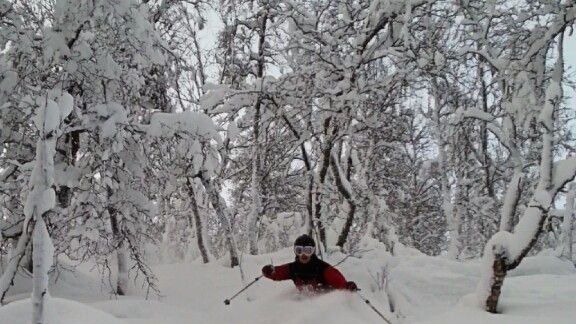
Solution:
(126, 139)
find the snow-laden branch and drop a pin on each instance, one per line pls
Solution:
(563, 19)
(564, 171)
(166, 125)
(491, 125)
(476, 113)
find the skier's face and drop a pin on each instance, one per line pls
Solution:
(303, 258)
(303, 253)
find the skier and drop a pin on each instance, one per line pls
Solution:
(307, 271)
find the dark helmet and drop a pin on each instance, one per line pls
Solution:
(304, 240)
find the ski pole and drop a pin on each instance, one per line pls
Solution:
(227, 301)
(373, 308)
(341, 261)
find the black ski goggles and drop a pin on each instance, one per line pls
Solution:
(308, 250)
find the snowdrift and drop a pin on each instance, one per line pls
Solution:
(420, 289)
(60, 311)
(435, 290)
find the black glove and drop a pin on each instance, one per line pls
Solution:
(267, 270)
(351, 285)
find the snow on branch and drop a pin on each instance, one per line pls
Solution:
(193, 123)
(476, 113)
(562, 20)
(564, 171)
(491, 125)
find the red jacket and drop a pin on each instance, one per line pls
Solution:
(316, 274)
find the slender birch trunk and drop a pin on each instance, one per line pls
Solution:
(121, 252)
(255, 186)
(18, 254)
(256, 209)
(567, 239)
(321, 179)
(198, 224)
(511, 199)
(42, 254)
(346, 190)
(222, 212)
(41, 201)
(446, 188)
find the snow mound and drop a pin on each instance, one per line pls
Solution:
(421, 285)
(543, 264)
(69, 284)
(144, 311)
(66, 312)
(525, 300)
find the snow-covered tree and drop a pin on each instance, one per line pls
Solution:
(533, 110)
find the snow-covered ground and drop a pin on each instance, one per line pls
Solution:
(422, 289)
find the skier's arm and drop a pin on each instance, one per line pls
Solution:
(281, 272)
(334, 278)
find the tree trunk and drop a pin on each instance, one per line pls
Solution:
(445, 187)
(511, 199)
(7, 278)
(318, 224)
(345, 189)
(310, 205)
(255, 185)
(41, 202)
(256, 177)
(72, 140)
(455, 216)
(197, 222)
(488, 182)
(508, 250)
(499, 270)
(567, 240)
(222, 212)
(28, 260)
(43, 253)
(121, 257)
(346, 228)
(308, 165)
(322, 178)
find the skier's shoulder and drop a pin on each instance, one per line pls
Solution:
(322, 264)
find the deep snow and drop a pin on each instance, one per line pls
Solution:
(424, 290)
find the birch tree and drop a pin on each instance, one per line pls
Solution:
(505, 250)
(42, 198)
